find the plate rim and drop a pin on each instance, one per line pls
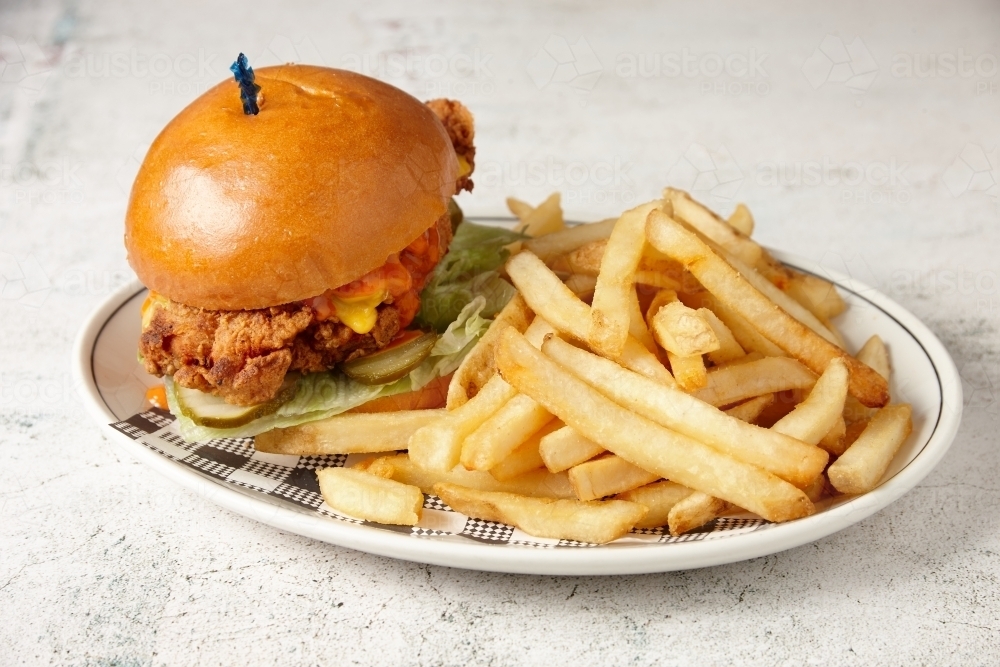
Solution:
(615, 560)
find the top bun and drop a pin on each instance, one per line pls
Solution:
(336, 172)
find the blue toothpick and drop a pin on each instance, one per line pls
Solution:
(248, 89)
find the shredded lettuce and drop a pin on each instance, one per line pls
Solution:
(469, 270)
(456, 342)
(322, 395)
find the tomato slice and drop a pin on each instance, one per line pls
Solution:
(403, 337)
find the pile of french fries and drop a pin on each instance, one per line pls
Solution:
(658, 369)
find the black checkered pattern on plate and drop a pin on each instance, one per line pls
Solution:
(487, 531)
(292, 480)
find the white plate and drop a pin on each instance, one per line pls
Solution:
(113, 385)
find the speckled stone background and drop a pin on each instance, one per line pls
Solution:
(862, 136)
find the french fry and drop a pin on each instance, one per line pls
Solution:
(348, 433)
(694, 511)
(545, 219)
(783, 403)
(748, 411)
(816, 294)
(658, 498)
(739, 381)
(643, 443)
(779, 327)
(831, 442)
(497, 437)
(559, 265)
(741, 220)
(513, 423)
(564, 448)
(654, 260)
(607, 476)
(709, 225)
(688, 370)
(748, 337)
(813, 418)
(854, 411)
(364, 496)
(776, 453)
(656, 279)
(875, 354)
(595, 522)
(521, 209)
(745, 359)
(792, 307)
(526, 457)
(551, 299)
(609, 313)
(851, 433)
(477, 368)
(538, 330)
(586, 259)
(637, 324)
(777, 273)
(523, 459)
(559, 243)
(540, 483)
(859, 469)
(660, 299)
(438, 446)
(582, 286)
(729, 349)
(683, 331)
(818, 489)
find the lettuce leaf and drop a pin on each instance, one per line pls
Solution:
(456, 342)
(469, 270)
(322, 395)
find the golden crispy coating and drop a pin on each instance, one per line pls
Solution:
(243, 356)
(457, 120)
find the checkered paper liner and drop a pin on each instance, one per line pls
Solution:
(291, 481)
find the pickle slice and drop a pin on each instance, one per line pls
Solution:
(392, 363)
(212, 411)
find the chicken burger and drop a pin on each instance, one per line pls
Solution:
(288, 252)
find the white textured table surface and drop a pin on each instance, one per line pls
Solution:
(862, 137)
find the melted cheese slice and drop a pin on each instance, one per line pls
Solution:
(149, 307)
(358, 313)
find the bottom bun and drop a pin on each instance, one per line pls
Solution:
(430, 396)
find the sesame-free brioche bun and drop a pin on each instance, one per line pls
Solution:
(338, 171)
